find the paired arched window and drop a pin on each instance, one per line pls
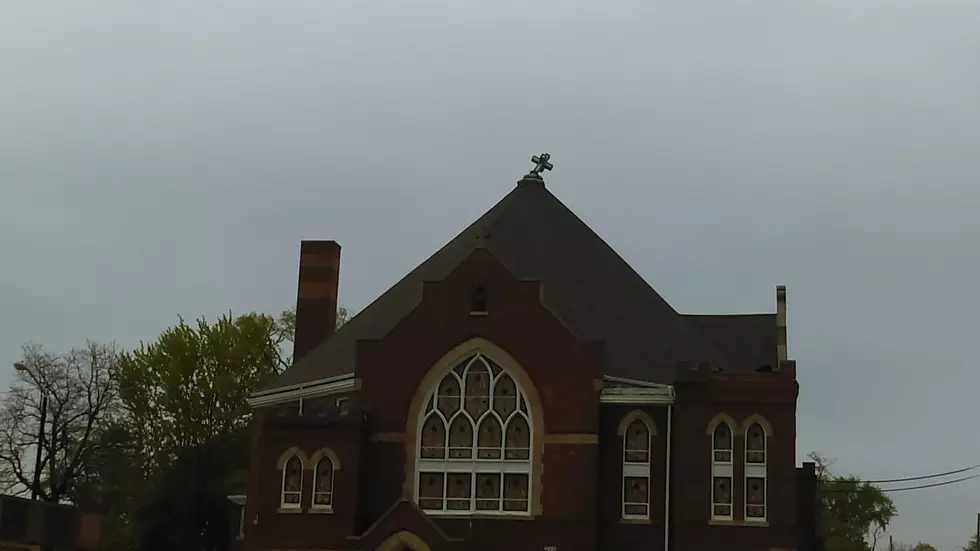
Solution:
(292, 483)
(755, 472)
(293, 463)
(474, 442)
(721, 471)
(754, 469)
(323, 483)
(636, 468)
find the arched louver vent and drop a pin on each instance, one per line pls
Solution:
(478, 303)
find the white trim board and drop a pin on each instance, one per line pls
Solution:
(312, 389)
(644, 393)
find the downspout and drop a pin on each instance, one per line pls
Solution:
(670, 409)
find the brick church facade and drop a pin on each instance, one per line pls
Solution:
(524, 389)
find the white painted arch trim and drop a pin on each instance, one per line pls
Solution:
(313, 389)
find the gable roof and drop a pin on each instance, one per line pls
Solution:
(586, 284)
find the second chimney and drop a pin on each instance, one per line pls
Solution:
(316, 297)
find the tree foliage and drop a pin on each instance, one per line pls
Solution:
(855, 514)
(974, 544)
(77, 392)
(192, 383)
(913, 547)
(187, 506)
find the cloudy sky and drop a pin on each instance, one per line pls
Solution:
(165, 159)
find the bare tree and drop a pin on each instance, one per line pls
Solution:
(54, 409)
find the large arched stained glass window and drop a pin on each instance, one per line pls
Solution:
(474, 442)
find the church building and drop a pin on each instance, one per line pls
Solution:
(522, 389)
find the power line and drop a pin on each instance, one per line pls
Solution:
(857, 489)
(934, 485)
(925, 477)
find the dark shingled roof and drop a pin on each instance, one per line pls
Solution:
(590, 287)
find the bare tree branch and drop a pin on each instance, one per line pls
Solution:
(81, 395)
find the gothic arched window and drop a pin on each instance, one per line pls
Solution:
(755, 472)
(474, 442)
(721, 472)
(323, 483)
(636, 470)
(292, 483)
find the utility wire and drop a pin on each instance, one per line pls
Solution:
(857, 489)
(928, 476)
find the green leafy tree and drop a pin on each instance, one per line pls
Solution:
(287, 321)
(855, 514)
(974, 544)
(192, 383)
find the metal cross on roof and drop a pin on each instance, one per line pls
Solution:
(540, 165)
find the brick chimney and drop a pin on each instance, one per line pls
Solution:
(781, 349)
(316, 297)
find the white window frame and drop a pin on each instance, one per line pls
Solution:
(282, 487)
(633, 469)
(333, 470)
(757, 470)
(474, 465)
(723, 469)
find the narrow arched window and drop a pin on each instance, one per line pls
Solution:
(755, 472)
(323, 483)
(478, 304)
(721, 472)
(636, 470)
(474, 442)
(292, 483)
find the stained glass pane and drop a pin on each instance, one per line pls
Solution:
(433, 438)
(430, 490)
(448, 396)
(458, 491)
(518, 439)
(515, 492)
(489, 438)
(294, 475)
(477, 389)
(488, 492)
(755, 444)
(636, 489)
(504, 396)
(755, 491)
(723, 437)
(461, 438)
(637, 442)
(636, 509)
(723, 490)
(324, 476)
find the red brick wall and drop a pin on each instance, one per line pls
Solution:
(581, 482)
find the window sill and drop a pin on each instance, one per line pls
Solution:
(289, 510)
(635, 520)
(748, 523)
(482, 516)
(320, 510)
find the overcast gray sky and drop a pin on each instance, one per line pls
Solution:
(164, 159)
